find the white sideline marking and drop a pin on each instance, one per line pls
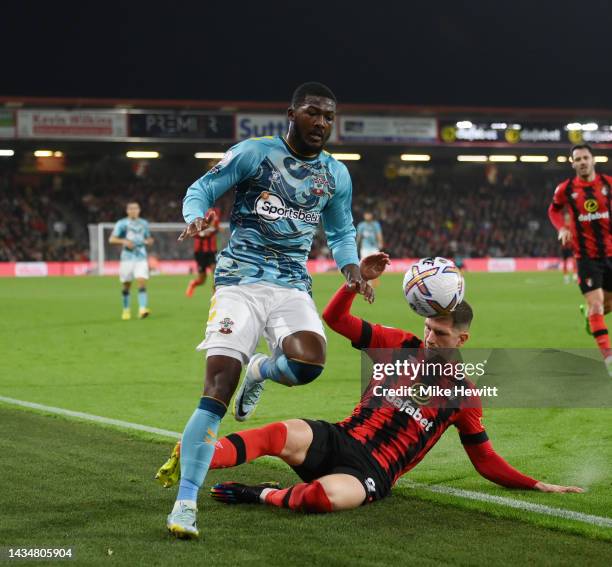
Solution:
(601, 521)
(91, 417)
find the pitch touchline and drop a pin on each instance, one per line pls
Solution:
(91, 417)
(601, 521)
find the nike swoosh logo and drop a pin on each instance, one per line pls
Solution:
(239, 410)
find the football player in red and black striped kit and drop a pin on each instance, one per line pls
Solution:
(587, 199)
(205, 253)
(356, 461)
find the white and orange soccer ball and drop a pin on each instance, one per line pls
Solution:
(433, 286)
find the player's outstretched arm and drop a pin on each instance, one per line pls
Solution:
(494, 468)
(337, 314)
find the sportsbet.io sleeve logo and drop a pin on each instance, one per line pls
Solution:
(271, 207)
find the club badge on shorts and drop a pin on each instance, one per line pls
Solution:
(226, 326)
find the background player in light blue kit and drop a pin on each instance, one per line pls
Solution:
(284, 187)
(133, 235)
(369, 236)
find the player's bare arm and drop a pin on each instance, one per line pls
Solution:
(491, 466)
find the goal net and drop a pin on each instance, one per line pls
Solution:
(166, 252)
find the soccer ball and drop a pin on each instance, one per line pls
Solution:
(433, 286)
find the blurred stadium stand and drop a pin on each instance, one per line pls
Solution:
(451, 211)
(438, 207)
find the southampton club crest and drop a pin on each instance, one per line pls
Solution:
(319, 184)
(226, 326)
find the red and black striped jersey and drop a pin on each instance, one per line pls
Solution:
(588, 203)
(207, 243)
(400, 431)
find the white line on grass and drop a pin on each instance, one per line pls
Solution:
(601, 521)
(94, 418)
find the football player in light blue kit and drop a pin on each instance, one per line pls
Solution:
(369, 236)
(133, 235)
(284, 186)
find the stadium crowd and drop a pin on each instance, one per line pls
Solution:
(458, 215)
(447, 212)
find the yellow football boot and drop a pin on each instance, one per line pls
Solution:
(170, 472)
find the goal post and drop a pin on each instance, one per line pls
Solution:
(165, 247)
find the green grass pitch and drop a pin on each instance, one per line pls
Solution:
(71, 483)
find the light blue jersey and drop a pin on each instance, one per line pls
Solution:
(280, 198)
(136, 230)
(368, 233)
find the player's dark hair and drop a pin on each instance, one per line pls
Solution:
(312, 89)
(462, 316)
(581, 147)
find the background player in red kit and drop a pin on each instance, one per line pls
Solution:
(587, 199)
(358, 460)
(205, 253)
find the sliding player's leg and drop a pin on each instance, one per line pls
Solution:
(317, 454)
(330, 493)
(289, 440)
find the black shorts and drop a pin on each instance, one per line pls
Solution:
(333, 451)
(594, 274)
(566, 253)
(204, 260)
